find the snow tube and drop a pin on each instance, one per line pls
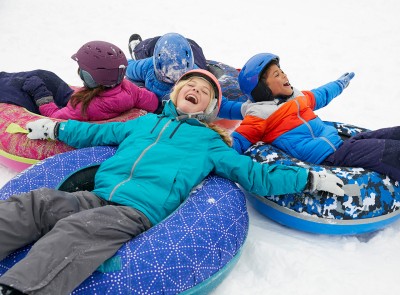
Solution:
(18, 152)
(189, 252)
(227, 77)
(371, 202)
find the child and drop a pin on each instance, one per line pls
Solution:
(172, 58)
(75, 232)
(140, 49)
(105, 95)
(284, 117)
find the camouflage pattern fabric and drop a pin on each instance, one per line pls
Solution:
(368, 194)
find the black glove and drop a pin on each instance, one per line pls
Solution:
(36, 88)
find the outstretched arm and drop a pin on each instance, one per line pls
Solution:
(230, 109)
(325, 94)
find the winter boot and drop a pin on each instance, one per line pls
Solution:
(134, 40)
(7, 290)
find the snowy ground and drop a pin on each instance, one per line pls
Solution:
(316, 41)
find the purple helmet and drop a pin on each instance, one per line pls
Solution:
(172, 57)
(101, 63)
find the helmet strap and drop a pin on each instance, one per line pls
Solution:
(184, 115)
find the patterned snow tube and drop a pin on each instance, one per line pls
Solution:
(372, 200)
(189, 252)
(19, 152)
(227, 77)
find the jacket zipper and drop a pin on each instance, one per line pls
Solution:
(309, 127)
(138, 159)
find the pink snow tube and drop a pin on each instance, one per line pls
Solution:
(19, 152)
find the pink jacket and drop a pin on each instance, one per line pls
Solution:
(111, 103)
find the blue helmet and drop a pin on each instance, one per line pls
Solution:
(250, 74)
(172, 57)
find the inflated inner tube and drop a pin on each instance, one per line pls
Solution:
(189, 252)
(372, 200)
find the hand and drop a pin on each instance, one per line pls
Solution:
(41, 129)
(36, 88)
(344, 80)
(321, 181)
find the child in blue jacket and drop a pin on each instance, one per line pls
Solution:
(131, 193)
(280, 115)
(173, 56)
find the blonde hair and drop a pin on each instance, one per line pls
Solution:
(174, 95)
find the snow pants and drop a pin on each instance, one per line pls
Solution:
(73, 234)
(377, 150)
(145, 49)
(11, 89)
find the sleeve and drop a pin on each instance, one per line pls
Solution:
(53, 111)
(325, 94)
(252, 128)
(142, 99)
(137, 69)
(240, 143)
(260, 179)
(230, 109)
(82, 134)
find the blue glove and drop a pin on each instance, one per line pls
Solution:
(344, 80)
(36, 88)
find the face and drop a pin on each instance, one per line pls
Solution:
(278, 82)
(194, 96)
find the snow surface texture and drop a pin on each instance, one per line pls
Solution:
(317, 42)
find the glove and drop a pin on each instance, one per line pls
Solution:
(36, 88)
(344, 80)
(321, 181)
(41, 129)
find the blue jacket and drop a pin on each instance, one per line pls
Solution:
(143, 71)
(292, 126)
(160, 159)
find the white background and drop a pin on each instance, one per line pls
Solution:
(317, 42)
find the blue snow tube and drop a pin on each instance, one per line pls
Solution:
(372, 200)
(189, 252)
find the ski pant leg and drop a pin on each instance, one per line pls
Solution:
(145, 48)
(57, 86)
(198, 55)
(383, 133)
(25, 218)
(379, 155)
(76, 246)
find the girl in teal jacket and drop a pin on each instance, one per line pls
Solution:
(160, 158)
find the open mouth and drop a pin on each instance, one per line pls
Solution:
(191, 98)
(286, 84)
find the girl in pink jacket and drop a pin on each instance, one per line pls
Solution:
(105, 95)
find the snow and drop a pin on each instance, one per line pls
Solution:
(316, 41)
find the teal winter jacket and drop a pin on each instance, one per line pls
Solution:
(160, 158)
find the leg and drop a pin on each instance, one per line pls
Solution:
(384, 133)
(379, 155)
(75, 248)
(27, 217)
